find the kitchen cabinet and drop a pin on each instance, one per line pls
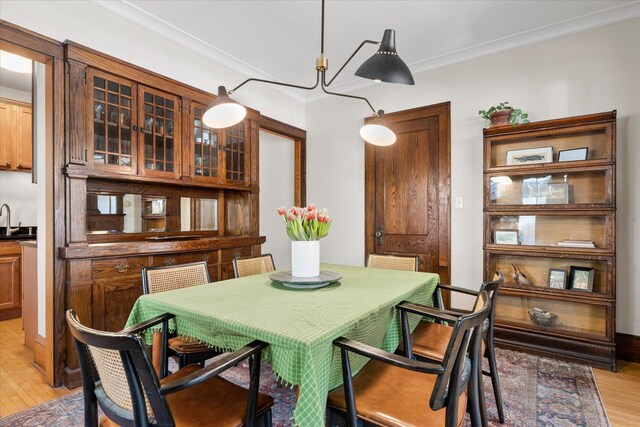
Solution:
(10, 280)
(15, 136)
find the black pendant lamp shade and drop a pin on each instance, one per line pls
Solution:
(385, 65)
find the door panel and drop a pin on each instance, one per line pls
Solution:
(407, 190)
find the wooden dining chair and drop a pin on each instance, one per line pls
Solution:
(165, 278)
(248, 266)
(391, 390)
(429, 339)
(118, 376)
(393, 262)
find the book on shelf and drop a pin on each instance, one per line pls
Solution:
(577, 243)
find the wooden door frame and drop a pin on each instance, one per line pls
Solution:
(443, 112)
(299, 137)
(50, 53)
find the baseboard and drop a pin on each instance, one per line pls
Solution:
(40, 352)
(628, 347)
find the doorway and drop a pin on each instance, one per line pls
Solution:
(408, 190)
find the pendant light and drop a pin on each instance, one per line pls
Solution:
(385, 66)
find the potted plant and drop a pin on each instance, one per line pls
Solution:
(503, 114)
(305, 227)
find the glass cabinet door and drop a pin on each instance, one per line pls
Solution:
(583, 188)
(236, 150)
(159, 130)
(590, 231)
(560, 316)
(113, 139)
(205, 147)
(569, 146)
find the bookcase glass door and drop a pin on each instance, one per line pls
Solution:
(113, 139)
(159, 127)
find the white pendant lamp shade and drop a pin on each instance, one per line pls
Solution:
(377, 133)
(16, 63)
(223, 112)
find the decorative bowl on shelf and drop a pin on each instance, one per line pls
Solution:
(542, 317)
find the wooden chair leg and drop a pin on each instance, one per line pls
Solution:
(493, 371)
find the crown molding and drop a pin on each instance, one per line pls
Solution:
(170, 32)
(601, 18)
(589, 21)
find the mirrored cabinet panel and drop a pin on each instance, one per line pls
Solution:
(570, 188)
(136, 213)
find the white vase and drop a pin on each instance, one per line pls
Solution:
(305, 258)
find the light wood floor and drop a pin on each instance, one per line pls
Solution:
(23, 386)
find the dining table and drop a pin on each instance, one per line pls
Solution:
(298, 324)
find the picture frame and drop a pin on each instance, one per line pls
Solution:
(557, 193)
(573, 154)
(506, 237)
(581, 279)
(530, 155)
(539, 191)
(557, 278)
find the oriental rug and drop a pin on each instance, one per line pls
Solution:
(537, 391)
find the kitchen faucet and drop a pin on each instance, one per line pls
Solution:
(10, 230)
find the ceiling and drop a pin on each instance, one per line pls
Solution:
(281, 39)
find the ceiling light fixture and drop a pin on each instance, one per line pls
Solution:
(12, 62)
(384, 66)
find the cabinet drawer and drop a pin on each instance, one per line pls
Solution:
(228, 255)
(211, 257)
(118, 267)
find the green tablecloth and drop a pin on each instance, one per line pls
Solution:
(299, 325)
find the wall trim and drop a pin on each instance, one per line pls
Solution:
(628, 347)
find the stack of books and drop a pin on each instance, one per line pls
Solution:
(577, 243)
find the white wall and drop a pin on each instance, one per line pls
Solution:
(276, 190)
(19, 193)
(592, 71)
(91, 25)
(18, 95)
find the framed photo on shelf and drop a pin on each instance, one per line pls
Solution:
(530, 155)
(557, 279)
(581, 279)
(505, 237)
(557, 193)
(573, 154)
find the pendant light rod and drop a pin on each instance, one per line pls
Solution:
(277, 83)
(348, 60)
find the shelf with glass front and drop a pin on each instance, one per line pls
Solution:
(572, 189)
(586, 276)
(555, 315)
(159, 128)
(219, 155)
(551, 231)
(113, 140)
(570, 144)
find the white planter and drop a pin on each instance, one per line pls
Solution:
(305, 258)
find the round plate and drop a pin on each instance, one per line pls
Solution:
(287, 279)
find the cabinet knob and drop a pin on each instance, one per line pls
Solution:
(135, 128)
(122, 267)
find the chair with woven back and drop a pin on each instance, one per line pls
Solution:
(118, 376)
(393, 262)
(165, 278)
(392, 390)
(249, 266)
(429, 339)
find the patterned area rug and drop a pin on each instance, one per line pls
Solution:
(537, 391)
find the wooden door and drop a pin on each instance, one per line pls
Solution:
(6, 134)
(10, 287)
(407, 190)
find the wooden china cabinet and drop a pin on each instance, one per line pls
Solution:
(549, 226)
(147, 184)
